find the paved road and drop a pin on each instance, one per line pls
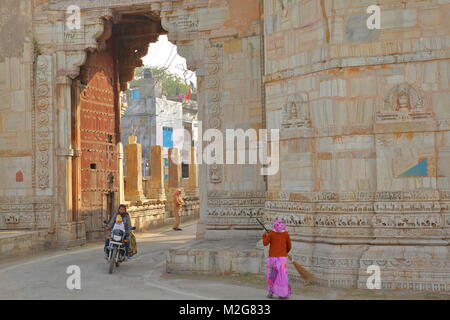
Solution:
(143, 277)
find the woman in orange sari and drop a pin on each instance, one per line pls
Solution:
(277, 262)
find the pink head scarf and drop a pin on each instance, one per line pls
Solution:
(279, 226)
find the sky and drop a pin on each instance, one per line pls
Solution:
(164, 54)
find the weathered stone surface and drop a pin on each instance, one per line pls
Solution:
(133, 156)
(20, 243)
(210, 257)
(363, 119)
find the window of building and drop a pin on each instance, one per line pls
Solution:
(185, 170)
(168, 137)
(136, 94)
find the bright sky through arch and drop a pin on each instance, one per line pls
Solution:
(164, 54)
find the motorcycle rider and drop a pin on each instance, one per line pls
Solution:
(120, 220)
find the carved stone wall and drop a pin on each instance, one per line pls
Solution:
(25, 178)
(221, 42)
(363, 178)
(44, 119)
(363, 117)
(225, 53)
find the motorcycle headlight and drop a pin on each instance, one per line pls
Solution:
(117, 238)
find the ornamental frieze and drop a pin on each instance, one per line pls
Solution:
(236, 202)
(345, 220)
(234, 212)
(407, 207)
(235, 195)
(408, 221)
(357, 196)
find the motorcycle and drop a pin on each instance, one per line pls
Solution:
(116, 248)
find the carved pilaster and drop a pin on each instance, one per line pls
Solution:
(43, 114)
(213, 65)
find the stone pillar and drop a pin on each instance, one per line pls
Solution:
(155, 187)
(193, 176)
(68, 231)
(121, 176)
(174, 169)
(133, 153)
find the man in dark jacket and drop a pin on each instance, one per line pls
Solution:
(125, 218)
(127, 223)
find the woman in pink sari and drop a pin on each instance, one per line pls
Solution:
(277, 262)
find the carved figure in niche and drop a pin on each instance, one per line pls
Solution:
(215, 174)
(403, 102)
(291, 111)
(295, 112)
(404, 98)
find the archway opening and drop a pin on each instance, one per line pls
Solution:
(98, 103)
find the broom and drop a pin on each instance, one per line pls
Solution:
(305, 274)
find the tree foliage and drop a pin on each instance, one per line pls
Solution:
(169, 81)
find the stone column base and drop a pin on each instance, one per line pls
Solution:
(134, 196)
(158, 194)
(71, 234)
(189, 192)
(424, 268)
(402, 267)
(218, 258)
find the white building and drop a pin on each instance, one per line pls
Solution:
(156, 120)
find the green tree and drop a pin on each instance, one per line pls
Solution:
(169, 81)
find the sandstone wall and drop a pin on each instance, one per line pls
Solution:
(364, 118)
(230, 98)
(19, 195)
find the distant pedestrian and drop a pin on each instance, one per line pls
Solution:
(178, 203)
(277, 262)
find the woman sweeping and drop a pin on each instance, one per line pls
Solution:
(276, 270)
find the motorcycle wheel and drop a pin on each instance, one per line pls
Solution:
(112, 262)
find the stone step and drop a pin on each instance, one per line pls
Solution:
(15, 243)
(216, 257)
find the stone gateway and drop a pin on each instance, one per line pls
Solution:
(363, 114)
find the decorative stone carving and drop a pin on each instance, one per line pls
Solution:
(43, 116)
(408, 221)
(215, 173)
(185, 22)
(213, 108)
(236, 209)
(25, 212)
(403, 102)
(296, 113)
(96, 33)
(74, 60)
